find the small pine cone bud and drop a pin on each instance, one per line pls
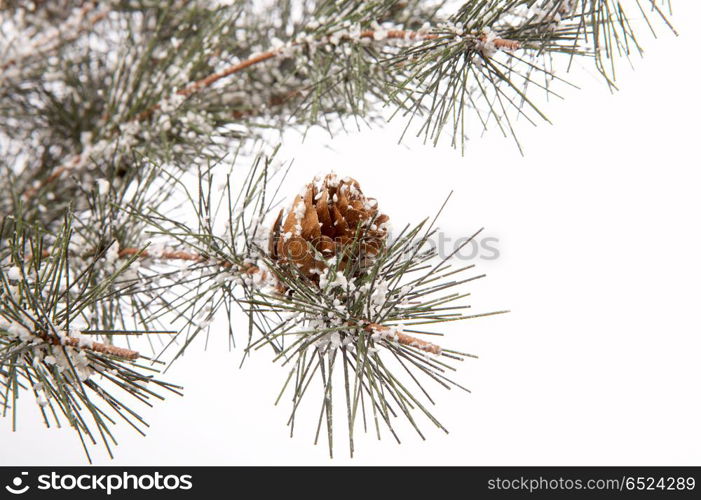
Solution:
(331, 218)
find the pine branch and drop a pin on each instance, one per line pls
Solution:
(46, 308)
(359, 309)
(250, 270)
(208, 81)
(417, 73)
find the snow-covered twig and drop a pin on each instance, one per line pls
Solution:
(481, 40)
(403, 338)
(111, 350)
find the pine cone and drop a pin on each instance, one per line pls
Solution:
(331, 218)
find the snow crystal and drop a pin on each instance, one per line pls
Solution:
(486, 45)
(19, 331)
(299, 210)
(112, 253)
(380, 35)
(103, 186)
(14, 273)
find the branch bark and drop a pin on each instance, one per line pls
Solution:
(119, 352)
(405, 339)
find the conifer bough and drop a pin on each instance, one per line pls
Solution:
(126, 212)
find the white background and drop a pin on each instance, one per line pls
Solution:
(600, 264)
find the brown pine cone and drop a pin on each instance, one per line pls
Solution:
(331, 218)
